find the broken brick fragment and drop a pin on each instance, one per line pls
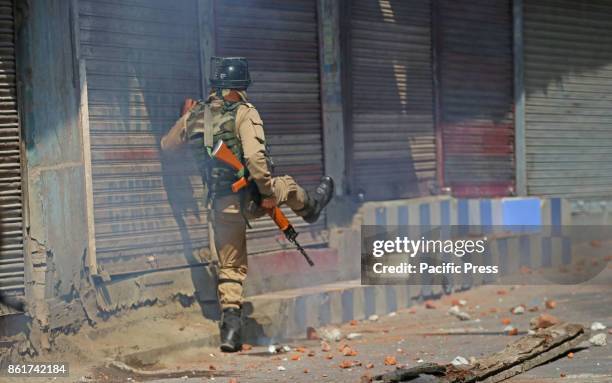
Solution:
(295, 357)
(506, 321)
(346, 364)
(390, 361)
(513, 332)
(353, 322)
(550, 304)
(325, 346)
(246, 347)
(369, 365)
(348, 351)
(430, 305)
(543, 321)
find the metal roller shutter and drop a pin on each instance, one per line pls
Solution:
(474, 52)
(280, 40)
(142, 60)
(568, 81)
(11, 208)
(392, 130)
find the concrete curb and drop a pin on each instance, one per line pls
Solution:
(286, 314)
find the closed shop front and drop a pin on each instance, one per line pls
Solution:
(11, 203)
(473, 42)
(141, 61)
(390, 107)
(280, 40)
(568, 85)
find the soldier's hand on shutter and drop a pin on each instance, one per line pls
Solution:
(268, 203)
(187, 105)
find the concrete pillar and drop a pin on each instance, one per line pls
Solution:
(54, 180)
(331, 91)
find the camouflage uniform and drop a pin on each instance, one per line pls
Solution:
(241, 122)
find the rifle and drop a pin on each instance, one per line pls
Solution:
(223, 153)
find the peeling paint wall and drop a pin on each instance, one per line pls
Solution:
(50, 115)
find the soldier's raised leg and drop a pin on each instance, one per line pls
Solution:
(307, 205)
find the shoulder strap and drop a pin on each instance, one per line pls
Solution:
(208, 128)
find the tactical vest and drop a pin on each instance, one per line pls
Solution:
(217, 176)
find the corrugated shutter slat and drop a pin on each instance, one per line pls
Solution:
(142, 61)
(476, 98)
(392, 140)
(568, 80)
(11, 218)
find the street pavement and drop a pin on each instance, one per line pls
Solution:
(414, 335)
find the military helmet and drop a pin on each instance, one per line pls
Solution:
(229, 72)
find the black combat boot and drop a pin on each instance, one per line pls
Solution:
(318, 200)
(230, 330)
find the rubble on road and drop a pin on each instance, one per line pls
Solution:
(517, 357)
(461, 315)
(349, 364)
(518, 310)
(458, 302)
(543, 321)
(390, 361)
(331, 334)
(511, 330)
(597, 326)
(325, 347)
(460, 361)
(599, 340)
(276, 348)
(353, 336)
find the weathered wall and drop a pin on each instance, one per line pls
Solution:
(49, 90)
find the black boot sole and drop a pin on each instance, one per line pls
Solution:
(227, 347)
(321, 204)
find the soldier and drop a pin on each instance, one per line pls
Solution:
(227, 115)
